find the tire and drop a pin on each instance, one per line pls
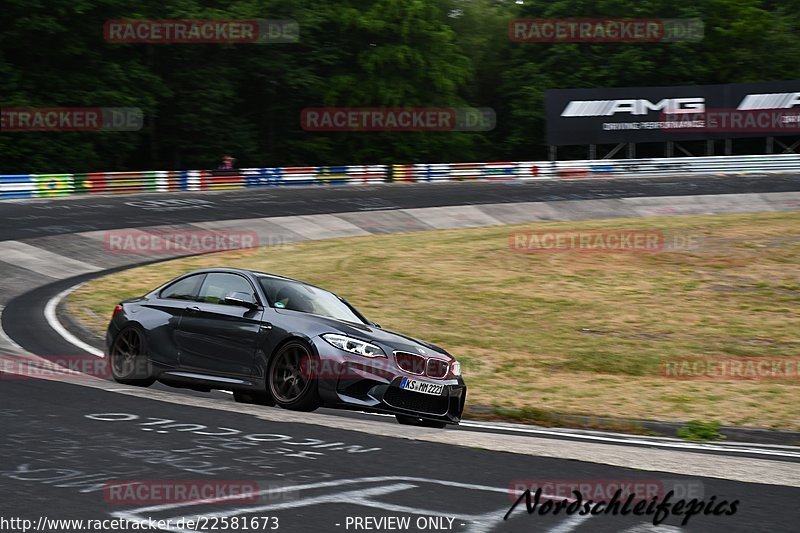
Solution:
(290, 379)
(419, 422)
(256, 398)
(128, 358)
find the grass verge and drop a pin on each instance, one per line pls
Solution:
(576, 333)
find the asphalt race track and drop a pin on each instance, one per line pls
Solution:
(34, 218)
(63, 441)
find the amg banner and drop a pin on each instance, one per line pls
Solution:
(681, 113)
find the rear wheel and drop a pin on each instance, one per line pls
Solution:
(421, 422)
(128, 358)
(292, 382)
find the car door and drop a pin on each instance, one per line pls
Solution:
(217, 338)
(163, 317)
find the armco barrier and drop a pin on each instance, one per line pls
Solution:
(597, 168)
(472, 171)
(743, 164)
(44, 185)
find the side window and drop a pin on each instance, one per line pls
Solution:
(218, 285)
(185, 289)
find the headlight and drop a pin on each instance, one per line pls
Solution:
(455, 368)
(349, 344)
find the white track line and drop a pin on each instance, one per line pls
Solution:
(639, 441)
(621, 438)
(754, 449)
(52, 319)
(570, 524)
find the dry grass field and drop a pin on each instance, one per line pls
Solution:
(577, 333)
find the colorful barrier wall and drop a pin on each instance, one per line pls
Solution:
(45, 185)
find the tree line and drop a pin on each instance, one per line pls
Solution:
(200, 101)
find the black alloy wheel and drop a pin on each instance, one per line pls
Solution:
(128, 358)
(292, 381)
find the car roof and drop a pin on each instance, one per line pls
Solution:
(254, 273)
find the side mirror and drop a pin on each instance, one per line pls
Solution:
(241, 299)
(375, 325)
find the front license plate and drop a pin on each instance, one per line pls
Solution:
(425, 387)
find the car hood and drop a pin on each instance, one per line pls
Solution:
(388, 340)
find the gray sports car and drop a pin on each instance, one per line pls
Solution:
(278, 341)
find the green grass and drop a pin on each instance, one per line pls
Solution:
(699, 430)
(585, 330)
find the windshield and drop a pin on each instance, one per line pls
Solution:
(296, 296)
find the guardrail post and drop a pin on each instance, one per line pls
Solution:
(789, 149)
(614, 151)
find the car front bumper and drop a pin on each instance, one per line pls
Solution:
(354, 382)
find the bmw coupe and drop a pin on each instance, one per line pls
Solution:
(273, 340)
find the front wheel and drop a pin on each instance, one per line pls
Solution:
(292, 382)
(128, 358)
(421, 422)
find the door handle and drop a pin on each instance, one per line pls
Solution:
(266, 325)
(193, 309)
